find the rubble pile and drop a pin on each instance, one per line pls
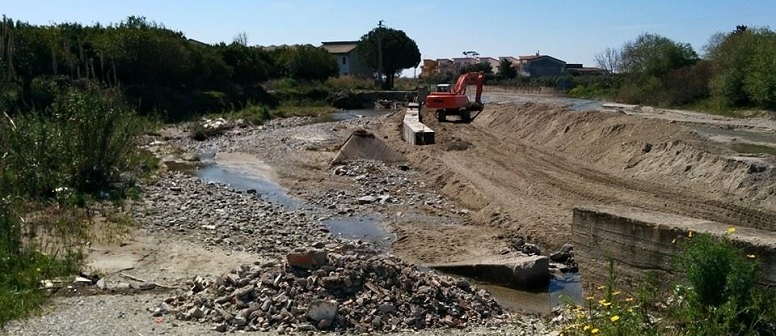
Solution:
(340, 289)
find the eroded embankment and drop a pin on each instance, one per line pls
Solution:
(626, 146)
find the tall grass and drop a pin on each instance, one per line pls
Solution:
(52, 164)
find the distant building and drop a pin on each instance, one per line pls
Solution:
(494, 63)
(540, 66)
(461, 62)
(350, 63)
(428, 68)
(445, 65)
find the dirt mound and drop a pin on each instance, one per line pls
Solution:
(632, 147)
(362, 145)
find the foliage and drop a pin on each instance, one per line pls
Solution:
(484, 67)
(399, 51)
(652, 55)
(506, 70)
(312, 63)
(82, 142)
(350, 83)
(744, 63)
(736, 72)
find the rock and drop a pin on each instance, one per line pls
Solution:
(243, 292)
(146, 286)
(367, 200)
(322, 310)
(386, 308)
(565, 253)
(221, 327)
(101, 284)
(81, 281)
(324, 324)
(196, 313)
(531, 249)
(308, 259)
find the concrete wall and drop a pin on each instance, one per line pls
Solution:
(641, 241)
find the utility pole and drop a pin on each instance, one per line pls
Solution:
(380, 53)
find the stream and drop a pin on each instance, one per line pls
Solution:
(369, 228)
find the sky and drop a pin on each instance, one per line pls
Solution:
(573, 31)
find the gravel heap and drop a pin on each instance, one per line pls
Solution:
(224, 217)
(340, 288)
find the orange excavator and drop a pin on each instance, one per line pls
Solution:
(453, 101)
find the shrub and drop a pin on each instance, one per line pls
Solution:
(83, 142)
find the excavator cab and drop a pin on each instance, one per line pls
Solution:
(442, 88)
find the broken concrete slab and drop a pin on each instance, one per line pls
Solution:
(519, 272)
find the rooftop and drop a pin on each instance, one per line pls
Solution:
(339, 47)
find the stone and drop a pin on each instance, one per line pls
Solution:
(243, 292)
(324, 324)
(386, 308)
(196, 313)
(81, 281)
(221, 327)
(531, 249)
(367, 200)
(101, 284)
(565, 253)
(322, 310)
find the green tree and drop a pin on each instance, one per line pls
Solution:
(399, 52)
(477, 67)
(652, 55)
(506, 70)
(744, 63)
(311, 63)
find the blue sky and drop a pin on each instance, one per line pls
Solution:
(570, 30)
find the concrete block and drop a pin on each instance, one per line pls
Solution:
(415, 132)
(520, 272)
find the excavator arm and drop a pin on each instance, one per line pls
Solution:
(469, 78)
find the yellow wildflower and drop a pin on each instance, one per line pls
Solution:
(629, 299)
(689, 234)
(600, 287)
(586, 328)
(673, 241)
(616, 293)
(594, 331)
(752, 256)
(614, 318)
(731, 229)
(590, 298)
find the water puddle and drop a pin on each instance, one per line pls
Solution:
(561, 290)
(758, 137)
(366, 228)
(351, 114)
(238, 180)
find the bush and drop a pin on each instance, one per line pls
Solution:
(83, 142)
